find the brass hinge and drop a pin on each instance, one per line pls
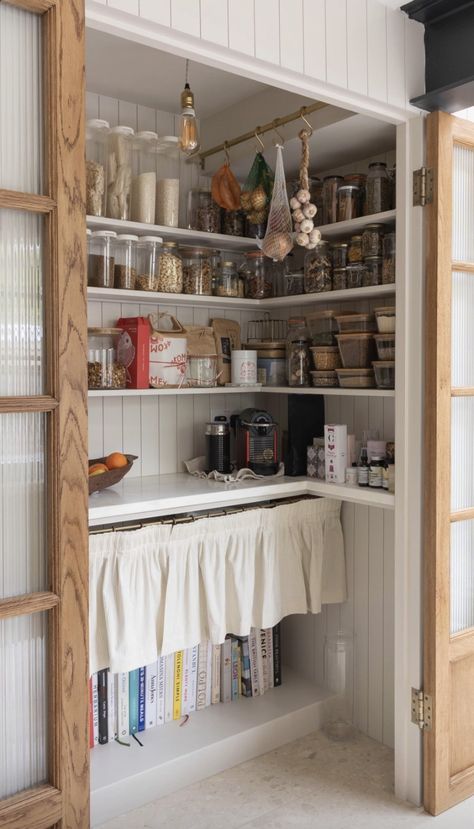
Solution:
(421, 709)
(422, 187)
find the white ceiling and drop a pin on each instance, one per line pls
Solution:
(132, 72)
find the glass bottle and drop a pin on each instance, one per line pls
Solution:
(96, 166)
(144, 177)
(363, 468)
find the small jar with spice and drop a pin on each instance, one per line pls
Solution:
(318, 269)
(96, 166)
(372, 240)
(197, 271)
(104, 369)
(331, 185)
(298, 355)
(101, 259)
(125, 267)
(120, 145)
(388, 270)
(258, 270)
(376, 470)
(203, 212)
(226, 281)
(354, 253)
(372, 271)
(379, 188)
(148, 264)
(347, 202)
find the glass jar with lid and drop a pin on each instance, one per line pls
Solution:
(119, 172)
(331, 185)
(379, 188)
(197, 271)
(227, 280)
(298, 355)
(347, 202)
(104, 369)
(101, 259)
(233, 223)
(258, 270)
(360, 179)
(144, 177)
(168, 183)
(372, 240)
(339, 279)
(354, 253)
(125, 267)
(339, 252)
(389, 247)
(318, 269)
(316, 191)
(203, 212)
(96, 166)
(373, 271)
(170, 270)
(148, 264)
(355, 275)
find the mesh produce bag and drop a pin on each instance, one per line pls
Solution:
(257, 191)
(278, 240)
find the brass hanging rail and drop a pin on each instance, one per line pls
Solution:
(272, 125)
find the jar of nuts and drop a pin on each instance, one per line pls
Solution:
(104, 369)
(258, 271)
(197, 271)
(148, 263)
(170, 273)
(125, 267)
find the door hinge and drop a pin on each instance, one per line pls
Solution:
(422, 187)
(421, 709)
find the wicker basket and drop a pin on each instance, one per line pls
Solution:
(99, 482)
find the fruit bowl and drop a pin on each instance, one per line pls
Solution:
(99, 482)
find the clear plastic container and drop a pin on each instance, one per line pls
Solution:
(385, 346)
(388, 269)
(355, 323)
(119, 172)
(203, 213)
(373, 271)
(101, 259)
(339, 252)
(197, 271)
(379, 188)
(384, 374)
(331, 185)
(298, 362)
(149, 267)
(259, 281)
(324, 379)
(202, 370)
(348, 200)
(125, 268)
(318, 269)
(104, 369)
(385, 318)
(356, 350)
(167, 184)
(355, 274)
(226, 282)
(372, 240)
(96, 166)
(326, 357)
(144, 177)
(322, 327)
(356, 378)
(339, 279)
(339, 680)
(271, 364)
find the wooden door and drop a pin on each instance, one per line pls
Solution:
(44, 771)
(449, 467)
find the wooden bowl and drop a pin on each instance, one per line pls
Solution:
(99, 482)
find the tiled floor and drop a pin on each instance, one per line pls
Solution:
(313, 783)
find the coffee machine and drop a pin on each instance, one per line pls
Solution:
(256, 441)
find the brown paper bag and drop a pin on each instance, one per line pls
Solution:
(227, 337)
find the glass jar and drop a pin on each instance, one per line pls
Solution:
(388, 270)
(104, 370)
(259, 283)
(271, 364)
(148, 265)
(376, 467)
(360, 179)
(355, 275)
(293, 283)
(203, 213)
(119, 172)
(316, 190)
(233, 223)
(339, 252)
(379, 188)
(323, 327)
(298, 355)
(197, 272)
(354, 253)
(255, 230)
(373, 271)
(96, 166)
(331, 185)
(125, 267)
(347, 202)
(227, 280)
(372, 240)
(167, 183)
(101, 259)
(317, 269)
(144, 177)
(170, 270)
(339, 279)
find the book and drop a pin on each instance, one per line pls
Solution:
(169, 687)
(178, 684)
(201, 690)
(141, 699)
(226, 671)
(269, 637)
(277, 655)
(133, 701)
(209, 674)
(161, 683)
(235, 669)
(95, 709)
(185, 692)
(193, 678)
(151, 692)
(263, 651)
(254, 660)
(123, 725)
(239, 668)
(112, 707)
(246, 681)
(102, 693)
(91, 716)
(216, 674)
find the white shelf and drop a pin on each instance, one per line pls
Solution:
(212, 740)
(241, 390)
(337, 392)
(339, 229)
(150, 496)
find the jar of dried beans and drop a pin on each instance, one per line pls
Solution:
(197, 271)
(379, 188)
(101, 259)
(298, 355)
(96, 166)
(149, 267)
(125, 268)
(170, 272)
(258, 271)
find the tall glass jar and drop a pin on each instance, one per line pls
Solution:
(379, 188)
(316, 190)
(339, 252)
(373, 271)
(148, 263)
(226, 282)
(96, 166)
(259, 283)
(170, 273)
(354, 253)
(389, 247)
(359, 179)
(372, 240)
(168, 185)
(331, 185)
(119, 172)
(298, 355)
(233, 223)
(104, 369)
(144, 177)
(101, 259)
(318, 269)
(197, 271)
(348, 202)
(203, 213)
(125, 268)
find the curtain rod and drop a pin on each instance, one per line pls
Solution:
(272, 125)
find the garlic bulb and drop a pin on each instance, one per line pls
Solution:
(303, 196)
(315, 236)
(310, 210)
(311, 246)
(298, 215)
(302, 240)
(294, 203)
(297, 227)
(307, 225)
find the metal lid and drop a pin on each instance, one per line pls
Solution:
(332, 178)
(97, 124)
(340, 244)
(195, 251)
(357, 238)
(217, 428)
(378, 226)
(377, 164)
(254, 254)
(377, 458)
(169, 244)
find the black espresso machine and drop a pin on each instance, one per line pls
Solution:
(256, 441)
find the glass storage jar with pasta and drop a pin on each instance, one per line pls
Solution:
(96, 166)
(119, 172)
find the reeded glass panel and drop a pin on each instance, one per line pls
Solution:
(20, 100)
(22, 504)
(23, 703)
(21, 303)
(462, 453)
(462, 330)
(463, 204)
(462, 575)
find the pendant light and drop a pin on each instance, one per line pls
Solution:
(189, 136)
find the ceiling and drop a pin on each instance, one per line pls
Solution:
(133, 72)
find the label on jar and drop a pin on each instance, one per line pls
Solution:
(376, 476)
(363, 475)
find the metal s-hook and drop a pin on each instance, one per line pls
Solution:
(226, 151)
(302, 116)
(257, 136)
(275, 124)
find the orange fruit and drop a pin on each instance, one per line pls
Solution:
(97, 469)
(115, 460)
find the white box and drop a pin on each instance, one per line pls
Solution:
(335, 445)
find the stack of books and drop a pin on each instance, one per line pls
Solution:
(182, 683)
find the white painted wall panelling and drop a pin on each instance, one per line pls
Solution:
(336, 48)
(214, 21)
(267, 31)
(158, 11)
(242, 26)
(357, 57)
(377, 50)
(129, 6)
(314, 37)
(185, 16)
(291, 34)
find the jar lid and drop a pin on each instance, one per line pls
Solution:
(104, 331)
(356, 238)
(195, 251)
(169, 139)
(339, 270)
(97, 124)
(127, 237)
(262, 345)
(384, 363)
(374, 226)
(122, 130)
(333, 178)
(377, 164)
(165, 244)
(229, 264)
(271, 353)
(377, 458)
(104, 233)
(373, 259)
(340, 244)
(348, 187)
(154, 239)
(361, 177)
(217, 428)
(147, 135)
(385, 310)
(296, 321)
(254, 254)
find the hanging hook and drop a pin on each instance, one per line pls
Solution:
(275, 123)
(226, 151)
(257, 136)
(302, 116)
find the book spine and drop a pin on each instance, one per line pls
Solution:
(161, 685)
(253, 654)
(209, 674)
(169, 687)
(193, 676)
(276, 656)
(239, 668)
(269, 637)
(151, 682)
(112, 707)
(95, 708)
(246, 686)
(261, 680)
(263, 651)
(123, 706)
(202, 676)
(216, 674)
(91, 715)
(235, 668)
(185, 683)
(133, 701)
(141, 699)
(102, 690)
(178, 684)
(226, 671)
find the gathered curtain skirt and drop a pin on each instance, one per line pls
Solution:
(168, 587)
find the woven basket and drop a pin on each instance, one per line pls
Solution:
(99, 482)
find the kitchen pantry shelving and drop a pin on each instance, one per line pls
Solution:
(241, 390)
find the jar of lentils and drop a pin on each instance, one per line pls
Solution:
(197, 271)
(148, 264)
(203, 212)
(259, 283)
(372, 240)
(318, 269)
(379, 188)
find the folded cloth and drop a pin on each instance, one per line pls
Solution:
(197, 467)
